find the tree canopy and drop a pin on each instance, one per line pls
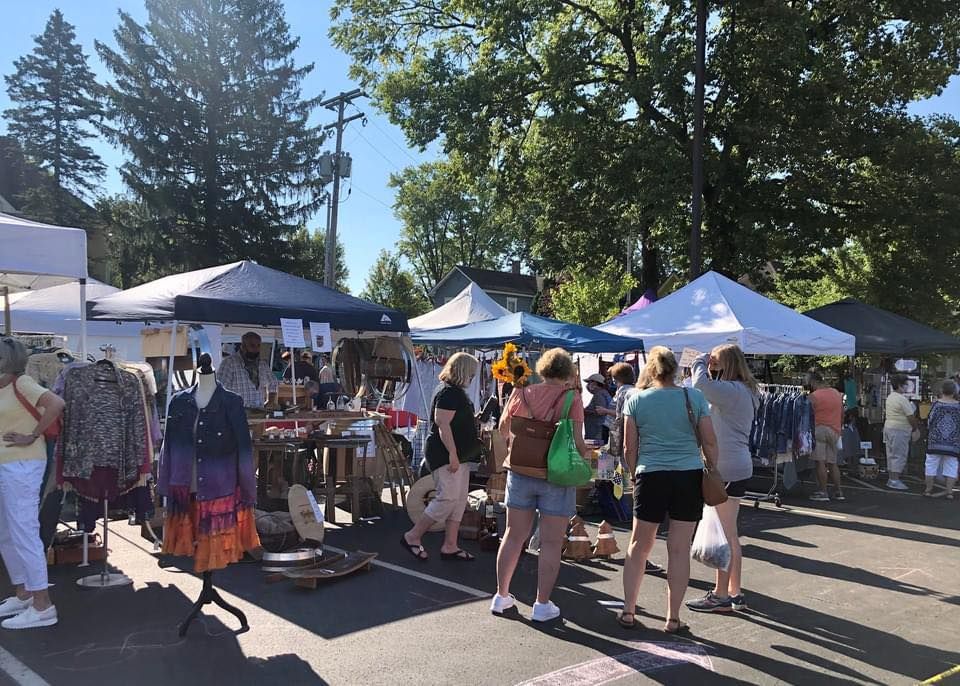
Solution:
(55, 104)
(390, 285)
(206, 101)
(583, 111)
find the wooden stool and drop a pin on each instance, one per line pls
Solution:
(335, 450)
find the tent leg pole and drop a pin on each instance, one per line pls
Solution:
(83, 319)
(293, 375)
(170, 360)
(7, 325)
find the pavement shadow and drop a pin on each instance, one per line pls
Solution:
(93, 642)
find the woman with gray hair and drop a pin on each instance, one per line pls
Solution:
(452, 441)
(26, 411)
(943, 440)
(901, 422)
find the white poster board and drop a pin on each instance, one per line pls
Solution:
(292, 333)
(320, 337)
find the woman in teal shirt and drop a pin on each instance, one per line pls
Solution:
(668, 471)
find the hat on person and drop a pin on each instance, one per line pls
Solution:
(597, 378)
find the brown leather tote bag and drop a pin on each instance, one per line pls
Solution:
(530, 442)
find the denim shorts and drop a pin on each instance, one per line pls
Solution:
(527, 493)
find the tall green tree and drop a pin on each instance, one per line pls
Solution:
(591, 297)
(206, 100)
(309, 249)
(138, 251)
(800, 95)
(390, 285)
(55, 102)
(447, 220)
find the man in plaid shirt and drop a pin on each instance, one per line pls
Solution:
(245, 373)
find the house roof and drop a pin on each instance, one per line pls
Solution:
(494, 281)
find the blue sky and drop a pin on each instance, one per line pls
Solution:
(366, 219)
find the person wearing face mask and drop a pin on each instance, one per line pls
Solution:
(246, 373)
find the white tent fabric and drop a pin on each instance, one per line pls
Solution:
(34, 255)
(56, 311)
(713, 310)
(470, 305)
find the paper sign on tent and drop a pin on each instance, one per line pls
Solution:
(688, 357)
(292, 333)
(320, 337)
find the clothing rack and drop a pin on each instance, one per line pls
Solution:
(772, 495)
(105, 579)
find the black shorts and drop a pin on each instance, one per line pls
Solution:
(737, 489)
(679, 494)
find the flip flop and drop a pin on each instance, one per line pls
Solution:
(460, 555)
(632, 624)
(416, 550)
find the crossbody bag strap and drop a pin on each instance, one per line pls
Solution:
(693, 420)
(34, 412)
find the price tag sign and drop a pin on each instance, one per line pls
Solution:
(292, 333)
(866, 445)
(320, 338)
(688, 357)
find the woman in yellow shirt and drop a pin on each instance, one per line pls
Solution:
(23, 461)
(900, 423)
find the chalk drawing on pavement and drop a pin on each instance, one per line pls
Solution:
(649, 657)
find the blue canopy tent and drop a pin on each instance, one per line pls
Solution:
(527, 329)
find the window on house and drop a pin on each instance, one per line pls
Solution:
(512, 304)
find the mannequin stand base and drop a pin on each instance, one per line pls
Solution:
(104, 580)
(210, 595)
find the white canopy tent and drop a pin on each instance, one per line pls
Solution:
(470, 305)
(56, 311)
(34, 256)
(713, 310)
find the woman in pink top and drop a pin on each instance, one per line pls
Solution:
(528, 490)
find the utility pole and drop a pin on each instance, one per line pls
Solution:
(696, 205)
(339, 104)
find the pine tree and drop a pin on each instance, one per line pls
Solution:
(206, 101)
(310, 251)
(56, 99)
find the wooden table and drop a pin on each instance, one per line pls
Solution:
(336, 448)
(288, 449)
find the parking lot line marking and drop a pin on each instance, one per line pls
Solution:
(942, 675)
(19, 672)
(424, 577)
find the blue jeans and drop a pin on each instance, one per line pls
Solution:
(527, 493)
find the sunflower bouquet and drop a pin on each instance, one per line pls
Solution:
(511, 368)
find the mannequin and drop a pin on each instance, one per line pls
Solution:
(206, 382)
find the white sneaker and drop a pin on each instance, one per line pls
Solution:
(500, 603)
(32, 618)
(897, 485)
(14, 606)
(544, 612)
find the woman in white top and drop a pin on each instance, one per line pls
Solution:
(901, 422)
(726, 380)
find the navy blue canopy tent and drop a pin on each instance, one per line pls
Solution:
(530, 330)
(248, 294)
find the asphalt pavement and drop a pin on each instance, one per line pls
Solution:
(862, 592)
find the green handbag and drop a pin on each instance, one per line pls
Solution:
(565, 466)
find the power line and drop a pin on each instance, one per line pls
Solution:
(390, 138)
(372, 197)
(380, 152)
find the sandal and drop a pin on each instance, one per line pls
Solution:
(680, 627)
(460, 554)
(416, 550)
(632, 624)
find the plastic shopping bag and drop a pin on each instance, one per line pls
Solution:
(565, 466)
(710, 546)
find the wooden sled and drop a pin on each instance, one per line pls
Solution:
(330, 568)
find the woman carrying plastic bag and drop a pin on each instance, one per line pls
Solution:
(710, 546)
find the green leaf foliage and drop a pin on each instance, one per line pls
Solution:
(55, 102)
(309, 253)
(206, 101)
(388, 284)
(583, 109)
(591, 296)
